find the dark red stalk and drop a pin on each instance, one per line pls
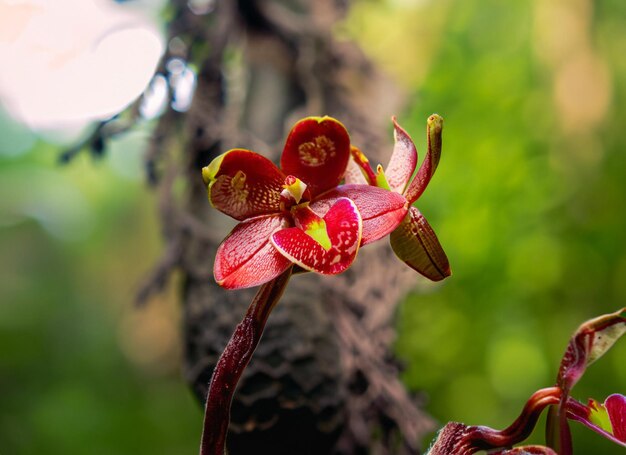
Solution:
(558, 434)
(487, 438)
(233, 362)
(460, 439)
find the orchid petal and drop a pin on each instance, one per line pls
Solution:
(243, 184)
(343, 225)
(608, 419)
(353, 174)
(415, 242)
(381, 210)
(616, 408)
(246, 257)
(361, 161)
(403, 159)
(590, 341)
(419, 183)
(317, 152)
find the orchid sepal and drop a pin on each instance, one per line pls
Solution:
(415, 243)
(434, 128)
(243, 184)
(403, 159)
(590, 341)
(368, 177)
(246, 257)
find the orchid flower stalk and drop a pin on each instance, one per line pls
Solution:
(301, 216)
(591, 341)
(233, 361)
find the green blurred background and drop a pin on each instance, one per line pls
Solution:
(529, 202)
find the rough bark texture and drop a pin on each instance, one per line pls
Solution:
(324, 379)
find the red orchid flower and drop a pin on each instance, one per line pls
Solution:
(290, 215)
(413, 241)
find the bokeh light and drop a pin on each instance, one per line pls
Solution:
(66, 62)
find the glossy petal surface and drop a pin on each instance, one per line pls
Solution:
(243, 184)
(317, 151)
(403, 160)
(343, 224)
(381, 210)
(246, 257)
(415, 242)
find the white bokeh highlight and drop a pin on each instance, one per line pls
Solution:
(67, 62)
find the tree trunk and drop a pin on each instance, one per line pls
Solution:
(324, 378)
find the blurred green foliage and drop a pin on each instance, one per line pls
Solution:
(528, 201)
(81, 370)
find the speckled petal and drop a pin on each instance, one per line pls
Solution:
(246, 257)
(415, 242)
(359, 160)
(403, 160)
(354, 174)
(381, 210)
(243, 184)
(317, 151)
(343, 224)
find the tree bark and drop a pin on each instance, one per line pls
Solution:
(324, 378)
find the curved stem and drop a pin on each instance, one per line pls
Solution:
(233, 362)
(461, 439)
(487, 438)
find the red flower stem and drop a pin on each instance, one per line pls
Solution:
(558, 434)
(459, 439)
(233, 362)
(487, 438)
